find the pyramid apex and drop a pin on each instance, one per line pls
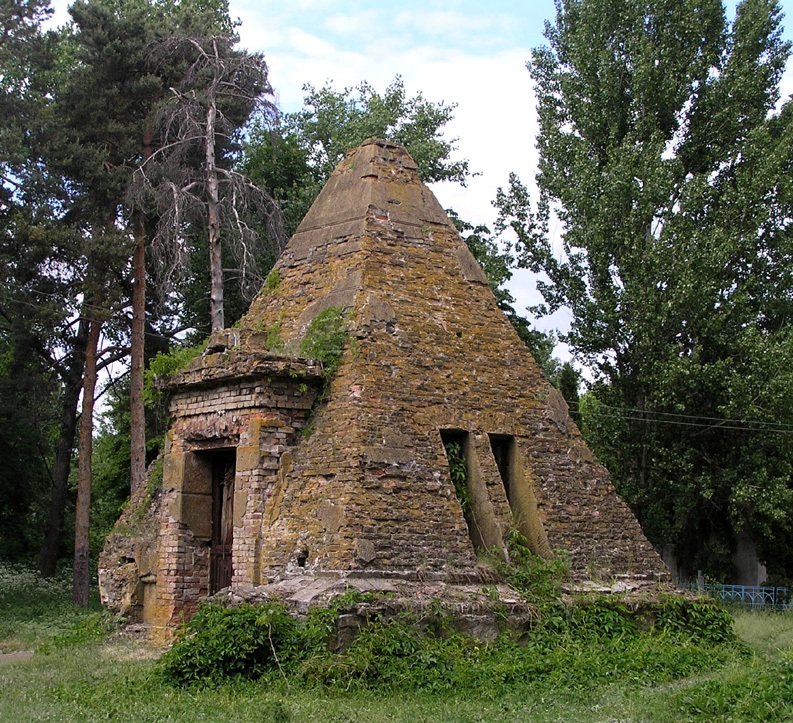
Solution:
(379, 175)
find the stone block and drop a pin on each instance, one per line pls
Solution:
(240, 506)
(195, 511)
(173, 471)
(330, 515)
(248, 458)
(197, 475)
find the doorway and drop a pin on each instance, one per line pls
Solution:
(223, 464)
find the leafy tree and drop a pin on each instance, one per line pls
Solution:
(83, 98)
(293, 155)
(28, 415)
(663, 158)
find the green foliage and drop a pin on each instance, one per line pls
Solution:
(673, 259)
(91, 628)
(167, 364)
(28, 416)
(294, 156)
(220, 643)
(37, 612)
(567, 380)
(556, 672)
(273, 340)
(538, 579)
(334, 121)
(581, 645)
(325, 339)
(278, 161)
(747, 695)
(458, 469)
(158, 417)
(272, 281)
(702, 619)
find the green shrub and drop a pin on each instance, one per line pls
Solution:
(164, 365)
(242, 642)
(580, 646)
(274, 342)
(458, 470)
(538, 579)
(701, 619)
(272, 281)
(405, 653)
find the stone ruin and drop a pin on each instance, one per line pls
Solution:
(279, 479)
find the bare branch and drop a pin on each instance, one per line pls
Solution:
(188, 182)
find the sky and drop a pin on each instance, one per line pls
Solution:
(472, 54)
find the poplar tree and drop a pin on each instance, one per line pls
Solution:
(668, 168)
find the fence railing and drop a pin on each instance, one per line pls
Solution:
(749, 596)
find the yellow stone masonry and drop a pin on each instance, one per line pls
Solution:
(353, 480)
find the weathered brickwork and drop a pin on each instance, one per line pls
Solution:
(431, 352)
(364, 488)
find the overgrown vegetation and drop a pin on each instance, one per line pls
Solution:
(325, 339)
(272, 281)
(670, 253)
(537, 579)
(37, 612)
(458, 470)
(596, 664)
(166, 364)
(582, 645)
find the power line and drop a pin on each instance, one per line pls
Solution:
(694, 416)
(695, 424)
(628, 414)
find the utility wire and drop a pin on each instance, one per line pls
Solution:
(692, 416)
(703, 425)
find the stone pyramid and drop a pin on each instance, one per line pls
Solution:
(430, 358)
(277, 469)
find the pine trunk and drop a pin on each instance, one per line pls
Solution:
(137, 412)
(81, 570)
(137, 418)
(72, 384)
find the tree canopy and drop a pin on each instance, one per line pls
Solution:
(293, 154)
(664, 157)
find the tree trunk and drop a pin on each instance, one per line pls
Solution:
(72, 383)
(137, 418)
(213, 219)
(81, 571)
(137, 412)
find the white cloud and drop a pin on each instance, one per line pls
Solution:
(475, 59)
(451, 25)
(353, 24)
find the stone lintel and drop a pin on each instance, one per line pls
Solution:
(215, 370)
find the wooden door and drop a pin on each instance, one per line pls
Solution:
(223, 471)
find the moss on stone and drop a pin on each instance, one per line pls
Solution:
(325, 339)
(273, 281)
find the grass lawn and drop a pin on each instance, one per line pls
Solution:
(82, 671)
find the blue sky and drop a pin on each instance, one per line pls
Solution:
(469, 53)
